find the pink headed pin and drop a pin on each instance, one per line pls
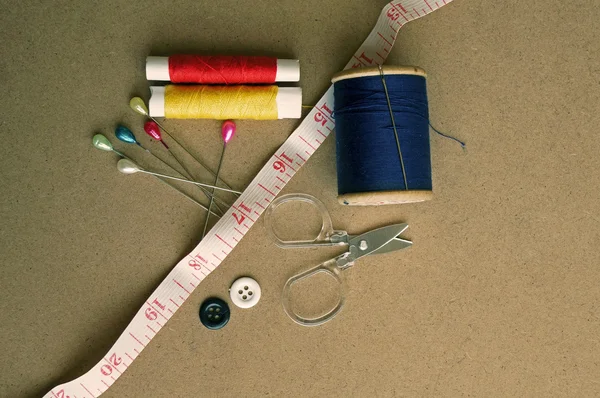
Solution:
(152, 129)
(227, 131)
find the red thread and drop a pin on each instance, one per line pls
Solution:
(222, 69)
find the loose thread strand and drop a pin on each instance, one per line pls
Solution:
(462, 144)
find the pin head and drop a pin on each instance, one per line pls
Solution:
(152, 129)
(101, 142)
(228, 130)
(125, 135)
(138, 105)
(126, 166)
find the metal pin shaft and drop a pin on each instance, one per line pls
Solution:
(189, 153)
(188, 181)
(387, 96)
(216, 179)
(204, 190)
(175, 188)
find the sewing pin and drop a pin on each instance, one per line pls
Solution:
(127, 166)
(101, 142)
(387, 97)
(227, 133)
(151, 128)
(127, 136)
(138, 105)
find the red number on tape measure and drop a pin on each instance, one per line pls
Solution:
(246, 208)
(159, 305)
(151, 314)
(320, 118)
(393, 14)
(195, 265)
(284, 156)
(106, 370)
(239, 219)
(279, 166)
(115, 360)
(199, 257)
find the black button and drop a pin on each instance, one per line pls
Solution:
(214, 313)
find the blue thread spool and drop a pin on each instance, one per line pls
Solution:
(369, 167)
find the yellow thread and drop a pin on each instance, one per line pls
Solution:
(221, 102)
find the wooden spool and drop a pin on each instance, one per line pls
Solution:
(377, 198)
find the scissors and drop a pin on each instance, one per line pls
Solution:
(377, 241)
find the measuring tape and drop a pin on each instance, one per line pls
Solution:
(231, 228)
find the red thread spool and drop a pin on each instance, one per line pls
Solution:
(222, 69)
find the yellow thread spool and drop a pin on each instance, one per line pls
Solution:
(225, 102)
(221, 102)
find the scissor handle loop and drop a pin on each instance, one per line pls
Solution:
(322, 239)
(331, 269)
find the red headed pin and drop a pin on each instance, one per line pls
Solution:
(152, 129)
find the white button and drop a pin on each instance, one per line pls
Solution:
(245, 292)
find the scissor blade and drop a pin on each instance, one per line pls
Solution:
(393, 245)
(377, 239)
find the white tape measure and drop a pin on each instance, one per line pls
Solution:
(231, 228)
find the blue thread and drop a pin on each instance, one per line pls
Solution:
(367, 154)
(462, 143)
